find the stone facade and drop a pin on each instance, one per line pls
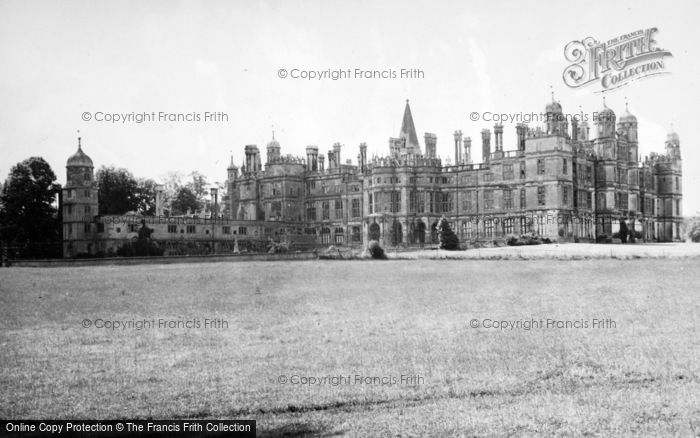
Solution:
(556, 182)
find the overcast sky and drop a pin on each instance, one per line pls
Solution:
(61, 59)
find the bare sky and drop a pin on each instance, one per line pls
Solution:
(61, 59)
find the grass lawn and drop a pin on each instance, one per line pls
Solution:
(362, 318)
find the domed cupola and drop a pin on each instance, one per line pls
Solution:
(79, 169)
(553, 107)
(605, 121)
(628, 117)
(673, 145)
(628, 125)
(79, 159)
(556, 121)
(672, 137)
(273, 150)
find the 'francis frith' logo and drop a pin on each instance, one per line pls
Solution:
(616, 62)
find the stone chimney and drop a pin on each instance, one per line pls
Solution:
(312, 158)
(430, 145)
(468, 150)
(458, 147)
(486, 145)
(362, 159)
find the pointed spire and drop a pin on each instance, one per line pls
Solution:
(79, 147)
(273, 132)
(551, 90)
(408, 129)
(626, 106)
(604, 105)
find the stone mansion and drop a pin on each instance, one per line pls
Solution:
(559, 181)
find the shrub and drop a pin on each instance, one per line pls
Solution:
(513, 241)
(603, 238)
(375, 250)
(694, 229)
(448, 239)
(624, 231)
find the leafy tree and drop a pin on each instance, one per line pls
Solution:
(119, 191)
(172, 182)
(28, 216)
(448, 239)
(375, 250)
(185, 199)
(146, 196)
(198, 185)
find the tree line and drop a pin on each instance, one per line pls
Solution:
(30, 219)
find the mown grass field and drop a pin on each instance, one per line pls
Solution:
(376, 319)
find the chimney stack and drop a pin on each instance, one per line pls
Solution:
(468, 150)
(498, 132)
(312, 158)
(486, 145)
(363, 157)
(336, 155)
(458, 147)
(430, 145)
(521, 131)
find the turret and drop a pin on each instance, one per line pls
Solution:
(628, 127)
(604, 121)
(80, 205)
(232, 171)
(273, 150)
(673, 146)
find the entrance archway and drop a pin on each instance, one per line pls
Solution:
(374, 231)
(396, 233)
(420, 232)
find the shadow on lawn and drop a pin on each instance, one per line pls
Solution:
(296, 430)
